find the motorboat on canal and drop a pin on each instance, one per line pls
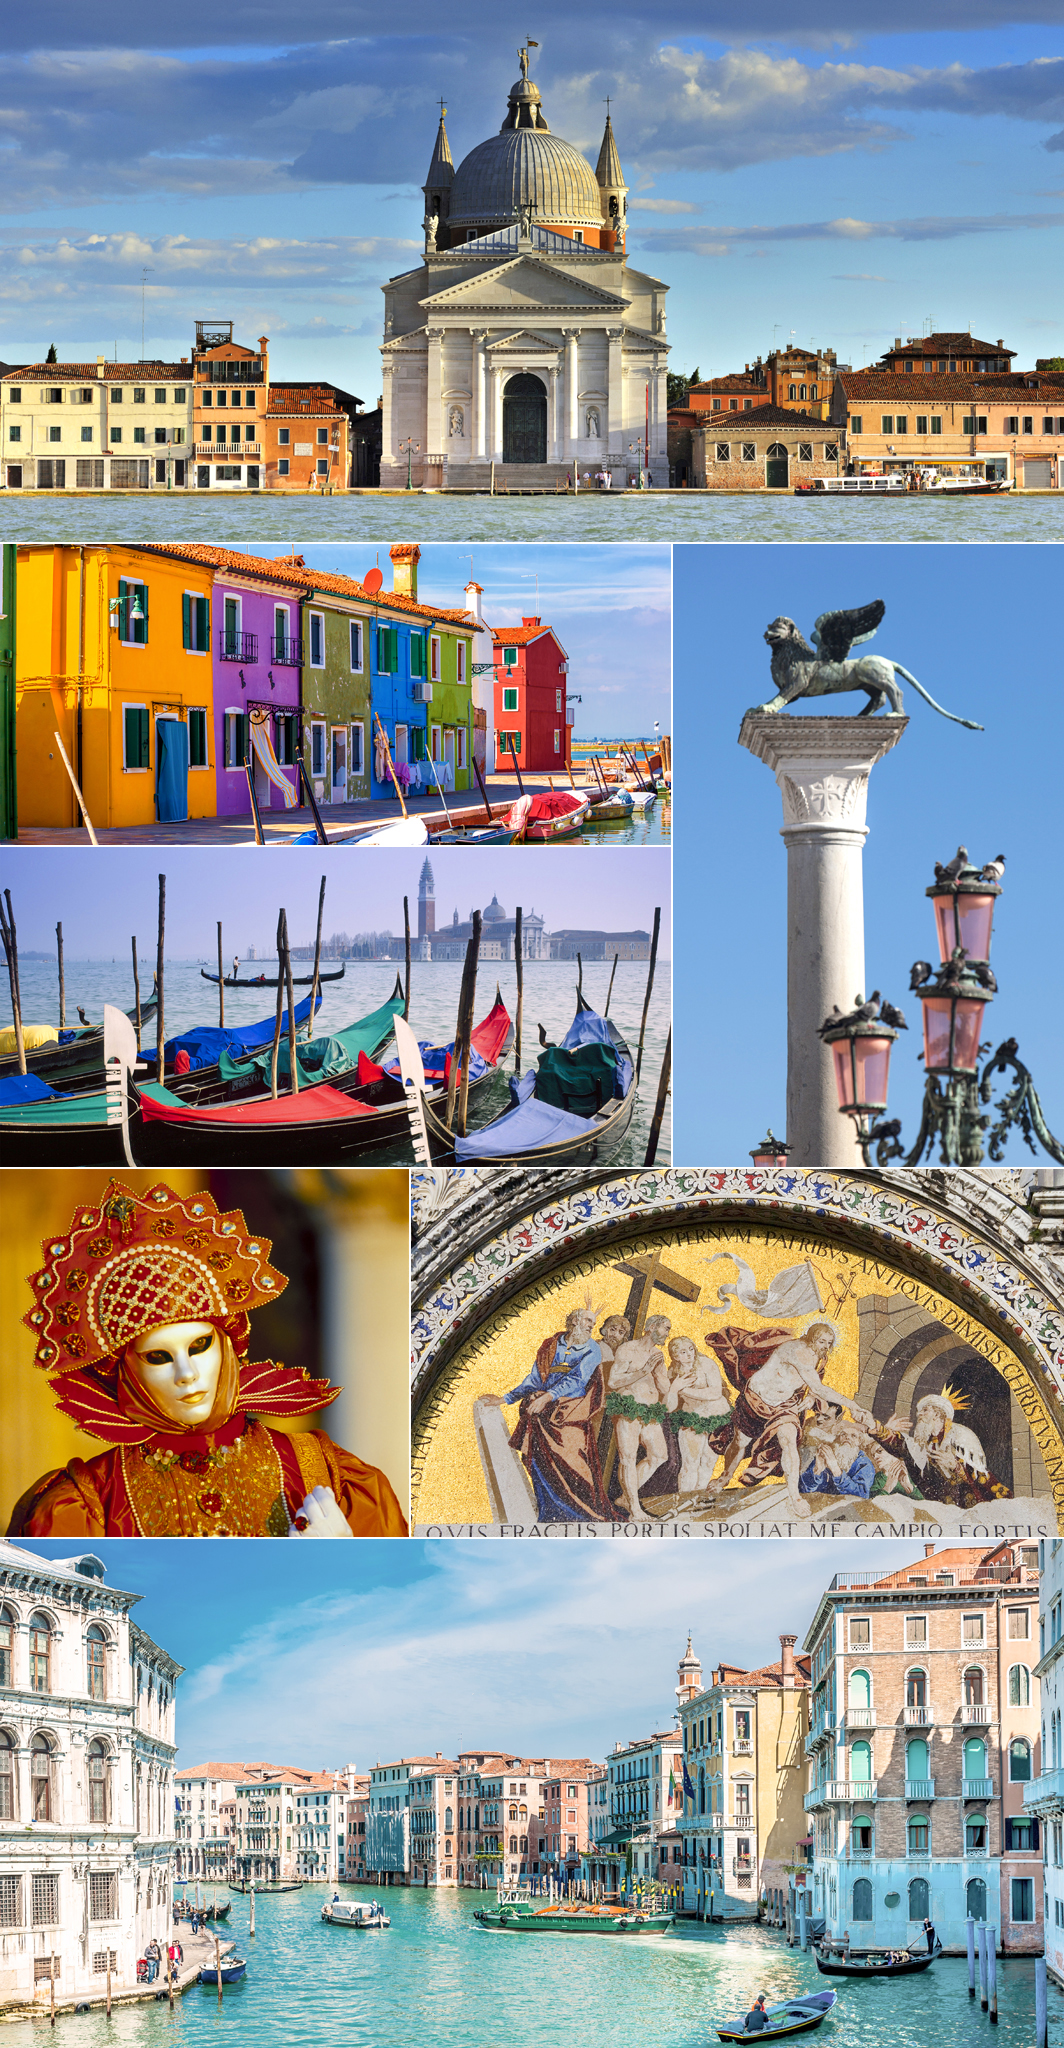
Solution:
(232, 1969)
(789, 2016)
(521, 1912)
(338, 1912)
(874, 1962)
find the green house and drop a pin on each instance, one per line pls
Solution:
(337, 730)
(448, 660)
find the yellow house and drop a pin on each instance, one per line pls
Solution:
(114, 655)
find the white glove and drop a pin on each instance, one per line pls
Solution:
(320, 1515)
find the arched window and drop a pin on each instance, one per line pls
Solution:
(859, 1689)
(812, 390)
(801, 392)
(916, 1688)
(41, 1777)
(40, 1653)
(448, 1819)
(513, 1845)
(8, 1778)
(919, 1898)
(975, 1898)
(1019, 1686)
(7, 1647)
(975, 1834)
(862, 1900)
(917, 1760)
(973, 1686)
(975, 1757)
(99, 1784)
(1019, 1760)
(861, 1762)
(792, 391)
(701, 1790)
(95, 1657)
(917, 1834)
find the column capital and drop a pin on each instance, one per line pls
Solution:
(822, 766)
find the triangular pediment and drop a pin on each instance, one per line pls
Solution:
(525, 340)
(525, 281)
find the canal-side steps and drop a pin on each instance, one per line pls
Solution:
(512, 479)
(198, 1954)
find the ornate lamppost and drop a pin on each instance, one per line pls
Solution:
(954, 997)
(411, 446)
(771, 1151)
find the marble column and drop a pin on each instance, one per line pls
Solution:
(617, 423)
(434, 435)
(572, 391)
(822, 766)
(554, 453)
(480, 423)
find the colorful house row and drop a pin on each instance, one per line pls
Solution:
(164, 670)
(213, 421)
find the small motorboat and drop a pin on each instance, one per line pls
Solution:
(789, 2016)
(338, 1912)
(553, 814)
(232, 1969)
(874, 1962)
(611, 804)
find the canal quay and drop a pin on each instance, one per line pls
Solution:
(434, 1979)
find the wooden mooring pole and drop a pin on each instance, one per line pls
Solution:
(218, 1965)
(317, 960)
(62, 983)
(659, 1111)
(650, 986)
(221, 981)
(991, 1972)
(609, 991)
(292, 1060)
(519, 962)
(970, 1929)
(406, 929)
(280, 1006)
(10, 937)
(160, 1017)
(136, 991)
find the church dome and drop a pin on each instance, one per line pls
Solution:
(525, 166)
(494, 912)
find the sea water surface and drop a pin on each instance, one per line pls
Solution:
(434, 1979)
(549, 1000)
(274, 521)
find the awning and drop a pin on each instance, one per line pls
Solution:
(262, 742)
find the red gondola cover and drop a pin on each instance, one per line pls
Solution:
(311, 1105)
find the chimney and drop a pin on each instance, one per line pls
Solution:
(474, 601)
(897, 341)
(100, 362)
(787, 1644)
(405, 559)
(264, 351)
(929, 1550)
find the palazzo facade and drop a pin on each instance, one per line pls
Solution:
(524, 340)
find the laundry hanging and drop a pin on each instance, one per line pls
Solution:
(264, 754)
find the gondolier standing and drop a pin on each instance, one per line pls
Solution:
(929, 1930)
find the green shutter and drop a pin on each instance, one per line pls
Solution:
(123, 609)
(417, 655)
(142, 629)
(186, 620)
(203, 624)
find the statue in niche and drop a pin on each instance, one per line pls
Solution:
(592, 423)
(430, 225)
(456, 424)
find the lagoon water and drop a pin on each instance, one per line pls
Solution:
(274, 522)
(550, 1000)
(436, 1980)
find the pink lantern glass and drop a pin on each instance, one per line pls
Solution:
(964, 920)
(862, 1068)
(967, 1030)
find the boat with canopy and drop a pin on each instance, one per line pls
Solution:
(518, 1911)
(553, 814)
(68, 1059)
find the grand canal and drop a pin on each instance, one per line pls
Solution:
(435, 1980)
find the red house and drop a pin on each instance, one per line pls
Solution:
(531, 671)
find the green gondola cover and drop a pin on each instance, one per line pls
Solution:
(319, 1059)
(582, 1081)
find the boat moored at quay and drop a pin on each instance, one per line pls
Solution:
(518, 1911)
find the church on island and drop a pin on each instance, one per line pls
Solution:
(523, 348)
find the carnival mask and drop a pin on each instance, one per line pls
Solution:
(178, 1365)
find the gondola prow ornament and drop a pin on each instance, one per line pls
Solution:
(823, 670)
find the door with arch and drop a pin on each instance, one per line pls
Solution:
(524, 420)
(777, 468)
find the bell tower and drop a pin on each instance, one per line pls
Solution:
(437, 188)
(689, 1672)
(610, 180)
(426, 903)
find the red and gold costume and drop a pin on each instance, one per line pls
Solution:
(137, 1262)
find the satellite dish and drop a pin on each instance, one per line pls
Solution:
(372, 581)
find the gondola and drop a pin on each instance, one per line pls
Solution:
(874, 1963)
(263, 1885)
(320, 1126)
(185, 1908)
(543, 1126)
(789, 2016)
(333, 1057)
(79, 1061)
(262, 981)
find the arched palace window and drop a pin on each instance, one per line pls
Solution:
(40, 1653)
(99, 1783)
(96, 1663)
(7, 1776)
(41, 1778)
(7, 1647)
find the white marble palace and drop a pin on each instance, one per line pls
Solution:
(86, 1782)
(523, 338)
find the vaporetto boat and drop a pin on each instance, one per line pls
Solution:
(520, 1912)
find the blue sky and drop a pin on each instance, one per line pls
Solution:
(800, 168)
(610, 607)
(614, 889)
(977, 626)
(334, 1656)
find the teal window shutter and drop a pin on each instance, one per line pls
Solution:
(203, 624)
(142, 626)
(123, 609)
(186, 620)
(415, 654)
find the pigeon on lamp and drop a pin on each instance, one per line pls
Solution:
(952, 868)
(829, 1023)
(994, 869)
(984, 975)
(919, 972)
(889, 1015)
(865, 1012)
(956, 967)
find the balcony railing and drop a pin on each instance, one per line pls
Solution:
(840, 1792)
(918, 1717)
(232, 451)
(741, 1748)
(286, 653)
(1046, 1793)
(919, 1788)
(237, 646)
(977, 1788)
(859, 1717)
(973, 1716)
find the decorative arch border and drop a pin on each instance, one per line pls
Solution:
(467, 1276)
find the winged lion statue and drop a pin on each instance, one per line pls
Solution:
(823, 670)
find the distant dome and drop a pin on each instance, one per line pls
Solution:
(525, 165)
(494, 912)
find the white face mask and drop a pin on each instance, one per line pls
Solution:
(178, 1365)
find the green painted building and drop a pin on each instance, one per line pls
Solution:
(337, 728)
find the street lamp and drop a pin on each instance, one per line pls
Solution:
(636, 448)
(410, 447)
(772, 1151)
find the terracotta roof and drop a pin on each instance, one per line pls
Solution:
(767, 1674)
(517, 636)
(995, 387)
(305, 400)
(732, 380)
(949, 344)
(113, 373)
(405, 551)
(229, 1773)
(293, 571)
(766, 415)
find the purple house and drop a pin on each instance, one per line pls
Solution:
(257, 645)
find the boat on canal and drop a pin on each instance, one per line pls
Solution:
(788, 2016)
(232, 1969)
(874, 1962)
(263, 1885)
(553, 814)
(338, 1912)
(184, 1909)
(520, 1912)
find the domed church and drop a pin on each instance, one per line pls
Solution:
(523, 339)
